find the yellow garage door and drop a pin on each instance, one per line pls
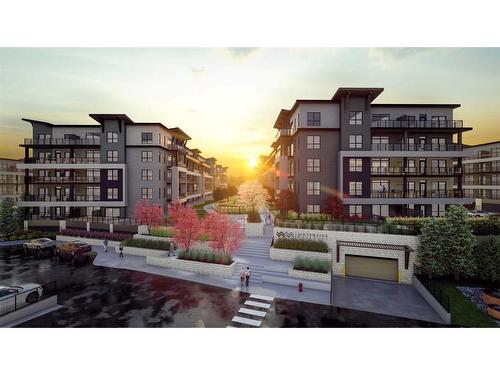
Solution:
(371, 268)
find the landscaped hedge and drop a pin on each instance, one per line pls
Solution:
(480, 225)
(147, 244)
(487, 258)
(160, 232)
(311, 265)
(205, 256)
(95, 234)
(253, 217)
(28, 235)
(304, 245)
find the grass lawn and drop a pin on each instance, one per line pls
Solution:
(463, 311)
(201, 205)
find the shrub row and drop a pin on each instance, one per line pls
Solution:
(96, 234)
(311, 265)
(147, 244)
(160, 232)
(253, 217)
(205, 257)
(304, 245)
(28, 235)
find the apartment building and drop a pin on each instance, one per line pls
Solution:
(381, 159)
(104, 169)
(482, 175)
(11, 179)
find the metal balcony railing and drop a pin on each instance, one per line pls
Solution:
(444, 124)
(62, 142)
(61, 198)
(413, 171)
(63, 161)
(63, 179)
(418, 194)
(416, 147)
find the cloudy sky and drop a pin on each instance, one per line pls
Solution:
(227, 99)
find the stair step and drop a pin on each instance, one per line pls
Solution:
(264, 298)
(247, 321)
(261, 314)
(258, 304)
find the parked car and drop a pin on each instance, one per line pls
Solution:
(40, 245)
(23, 293)
(73, 249)
(478, 213)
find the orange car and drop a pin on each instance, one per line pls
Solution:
(69, 250)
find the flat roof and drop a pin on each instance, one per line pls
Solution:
(432, 105)
(282, 120)
(483, 144)
(342, 91)
(51, 124)
(179, 133)
(100, 117)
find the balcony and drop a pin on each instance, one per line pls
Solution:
(62, 198)
(401, 171)
(282, 132)
(417, 194)
(403, 124)
(63, 179)
(63, 161)
(61, 142)
(416, 147)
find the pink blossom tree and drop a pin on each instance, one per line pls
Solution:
(225, 235)
(187, 225)
(147, 213)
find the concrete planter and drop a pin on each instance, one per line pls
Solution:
(140, 251)
(308, 275)
(254, 229)
(289, 255)
(210, 269)
(90, 241)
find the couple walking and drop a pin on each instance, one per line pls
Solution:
(245, 276)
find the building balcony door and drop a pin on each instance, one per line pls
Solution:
(422, 164)
(423, 188)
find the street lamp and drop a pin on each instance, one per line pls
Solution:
(331, 275)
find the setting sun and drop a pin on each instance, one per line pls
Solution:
(252, 163)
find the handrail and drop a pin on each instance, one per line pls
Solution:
(62, 141)
(415, 171)
(18, 301)
(416, 147)
(417, 124)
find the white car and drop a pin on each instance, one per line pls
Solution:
(39, 244)
(478, 213)
(13, 297)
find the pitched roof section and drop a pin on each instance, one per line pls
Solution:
(282, 120)
(343, 91)
(101, 117)
(179, 134)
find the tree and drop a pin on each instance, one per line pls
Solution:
(219, 194)
(487, 258)
(147, 213)
(334, 207)
(286, 201)
(225, 235)
(8, 217)
(187, 225)
(271, 192)
(431, 254)
(253, 195)
(458, 242)
(231, 191)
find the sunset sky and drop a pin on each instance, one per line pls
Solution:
(227, 99)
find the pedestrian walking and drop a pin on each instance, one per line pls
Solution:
(247, 276)
(105, 245)
(170, 248)
(121, 249)
(242, 275)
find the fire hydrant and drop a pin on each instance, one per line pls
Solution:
(301, 287)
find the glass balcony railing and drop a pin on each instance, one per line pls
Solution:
(413, 171)
(440, 124)
(416, 147)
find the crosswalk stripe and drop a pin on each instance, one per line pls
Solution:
(247, 321)
(261, 314)
(264, 298)
(258, 304)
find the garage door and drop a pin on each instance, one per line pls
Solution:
(371, 268)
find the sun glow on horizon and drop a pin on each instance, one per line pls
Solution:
(252, 163)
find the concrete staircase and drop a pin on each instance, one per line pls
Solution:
(258, 248)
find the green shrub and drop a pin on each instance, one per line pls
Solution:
(253, 217)
(161, 232)
(147, 244)
(312, 265)
(304, 245)
(205, 256)
(203, 237)
(487, 258)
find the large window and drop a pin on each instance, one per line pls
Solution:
(313, 208)
(146, 193)
(380, 165)
(355, 165)
(313, 165)
(380, 210)
(147, 156)
(147, 138)
(112, 193)
(380, 143)
(112, 174)
(147, 175)
(380, 117)
(355, 210)
(112, 156)
(438, 210)
(313, 187)
(112, 137)
(313, 142)
(355, 118)
(313, 118)
(112, 212)
(356, 141)
(355, 188)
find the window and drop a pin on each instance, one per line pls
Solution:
(438, 210)
(112, 212)
(380, 188)
(147, 156)
(380, 117)
(355, 210)
(112, 155)
(147, 138)
(313, 118)
(313, 187)
(438, 144)
(355, 118)
(380, 165)
(112, 137)
(313, 142)
(112, 193)
(313, 208)
(355, 188)
(438, 118)
(147, 175)
(422, 117)
(380, 143)
(380, 210)
(313, 165)
(356, 141)
(112, 174)
(146, 193)
(93, 193)
(355, 165)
